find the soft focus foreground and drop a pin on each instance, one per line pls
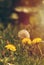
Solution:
(16, 51)
(22, 32)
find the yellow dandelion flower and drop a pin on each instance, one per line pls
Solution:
(36, 40)
(10, 47)
(26, 41)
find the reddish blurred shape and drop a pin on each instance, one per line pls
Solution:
(23, 18)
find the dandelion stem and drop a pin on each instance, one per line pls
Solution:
(39, 49)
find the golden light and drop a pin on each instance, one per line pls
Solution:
(43, 2)
(26, 9)
(14, 16)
